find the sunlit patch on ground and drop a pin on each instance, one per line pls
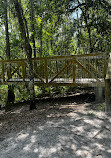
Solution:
(65, 130)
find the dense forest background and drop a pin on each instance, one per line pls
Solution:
(38, 28)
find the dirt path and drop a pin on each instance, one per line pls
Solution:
(61, 129)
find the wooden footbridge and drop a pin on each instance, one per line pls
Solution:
(73, 70)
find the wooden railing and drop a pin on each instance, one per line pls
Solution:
(60, 70)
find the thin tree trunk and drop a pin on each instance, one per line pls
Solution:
(25, 21)
(90, 41)
(28, 51)
(88, 28)
(41, 39)
(32, 26)
(51, 38)
(7, 105)
(7, 33)
(10, 96)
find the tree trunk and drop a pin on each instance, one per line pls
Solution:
(107, 96)
(10, 96)
(87, 26)
(108, 87)
(32, 26)
(90, 41)
(28, 51)
(7, 33)
(7, 36)
(41, 39)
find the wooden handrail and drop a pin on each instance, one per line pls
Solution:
(57, 67)
(54, 57)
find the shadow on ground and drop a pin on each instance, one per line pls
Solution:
(67, 128)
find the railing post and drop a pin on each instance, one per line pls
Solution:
(74, 70)
(3, 75)
(57, 67)
(46, 71)
(105, 65)
(35, 65)
(23, 71)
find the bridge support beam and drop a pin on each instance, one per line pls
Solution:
(107, 95)
(99, 93)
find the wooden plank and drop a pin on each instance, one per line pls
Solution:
(46, 71)
(69, 56)
(87, 70)
(55, 57)
(105, 65)
(23, 71)
(107, 96)
(57, 66)
(66, 65)
(8, 69)
(74, 70)
(35, 65)
(68, 84)
(61, 82)
(84, 72)
(13, 60)
(3, 73)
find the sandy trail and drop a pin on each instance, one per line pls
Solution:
(56, 130)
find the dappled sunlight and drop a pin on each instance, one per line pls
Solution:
(61, 137)
(64, 130)
(22, 136)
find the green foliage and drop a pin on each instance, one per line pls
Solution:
(58, 29)
(3, 95)
(94, 28)
(91, 114)
(101, 107)
(21, 93)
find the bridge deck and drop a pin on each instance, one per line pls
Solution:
(87, 82)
